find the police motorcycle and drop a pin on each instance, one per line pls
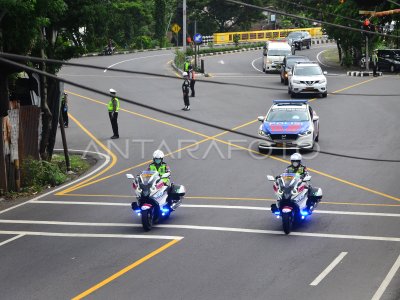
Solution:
(296, 199)
(155, 200)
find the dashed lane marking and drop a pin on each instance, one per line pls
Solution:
(328, 269)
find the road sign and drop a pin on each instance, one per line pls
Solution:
(198, 38)
(176, 28)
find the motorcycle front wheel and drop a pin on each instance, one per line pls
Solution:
(287, 222)
(147, 219)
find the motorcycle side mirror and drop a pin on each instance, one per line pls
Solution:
(130, 176)
(307, 178)
(261, 118)
(270, 178)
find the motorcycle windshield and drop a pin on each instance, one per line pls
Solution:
(147, 177)
(289, 179)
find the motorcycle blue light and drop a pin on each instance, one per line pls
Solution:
(165, 210)
(302, 217)
(303, 213)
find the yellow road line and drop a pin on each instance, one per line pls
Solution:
(315, 171)
(143, 116)
(236, 199)
(124, 270)
(354, 85)
(239, 147)
(149, 161)
(114, 158)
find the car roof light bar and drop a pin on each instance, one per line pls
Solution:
(290, 101)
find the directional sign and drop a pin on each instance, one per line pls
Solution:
(176, 28)
(198, 38)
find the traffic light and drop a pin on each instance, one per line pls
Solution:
(368, 26)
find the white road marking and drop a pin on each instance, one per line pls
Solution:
(93, 235)
(12, 239)
(106, 162)
(328, 212)
(257, 69)
(321, 61)
(221, 62)
(197, 227)
(387, 280)
(136, 58)
(328, 269)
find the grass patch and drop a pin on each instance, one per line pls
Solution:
(38, 175)
(331, 57)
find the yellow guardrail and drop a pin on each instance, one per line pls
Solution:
(262, 35)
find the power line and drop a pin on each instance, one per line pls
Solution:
(24, 67)
(310, 19)
(54, 61)
(320, 11)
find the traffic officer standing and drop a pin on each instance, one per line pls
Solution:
(64, 109)
(113, 108)
(375, 62)
(192, 80)
(185, 91)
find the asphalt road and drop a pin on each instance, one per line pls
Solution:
(83, 241)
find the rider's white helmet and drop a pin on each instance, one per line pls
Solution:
(295, 159)
(158, 154)
(184, 74)
(112, 91)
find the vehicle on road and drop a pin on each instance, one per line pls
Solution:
(299, 39)
(155, 200)
(274, 52)
(108, 50)
(307, 78)
(287, 65)
(289, 124)
(295, 197)
(389, 59)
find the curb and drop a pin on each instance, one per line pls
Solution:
(362, 73)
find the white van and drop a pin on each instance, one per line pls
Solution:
(274, 52)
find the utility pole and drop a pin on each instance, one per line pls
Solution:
(184, 26)
(366, 54)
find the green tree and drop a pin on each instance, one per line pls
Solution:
(160, 9)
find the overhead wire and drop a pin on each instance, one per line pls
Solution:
(208, 81)
(322, 12)
(310, 19)
(30, 69)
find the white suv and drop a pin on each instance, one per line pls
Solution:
(307, 78)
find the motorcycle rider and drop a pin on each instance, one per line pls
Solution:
(297, 168)
(160, 166)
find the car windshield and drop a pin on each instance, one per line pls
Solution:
(290, 62)
(288, 115)
(294, 35)
(308, 71)
(279, 52)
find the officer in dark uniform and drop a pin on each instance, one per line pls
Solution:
(185, 91)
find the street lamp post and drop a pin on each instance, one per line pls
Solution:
(184, 26)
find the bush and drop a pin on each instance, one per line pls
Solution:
(180, 58)
(41, 173)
